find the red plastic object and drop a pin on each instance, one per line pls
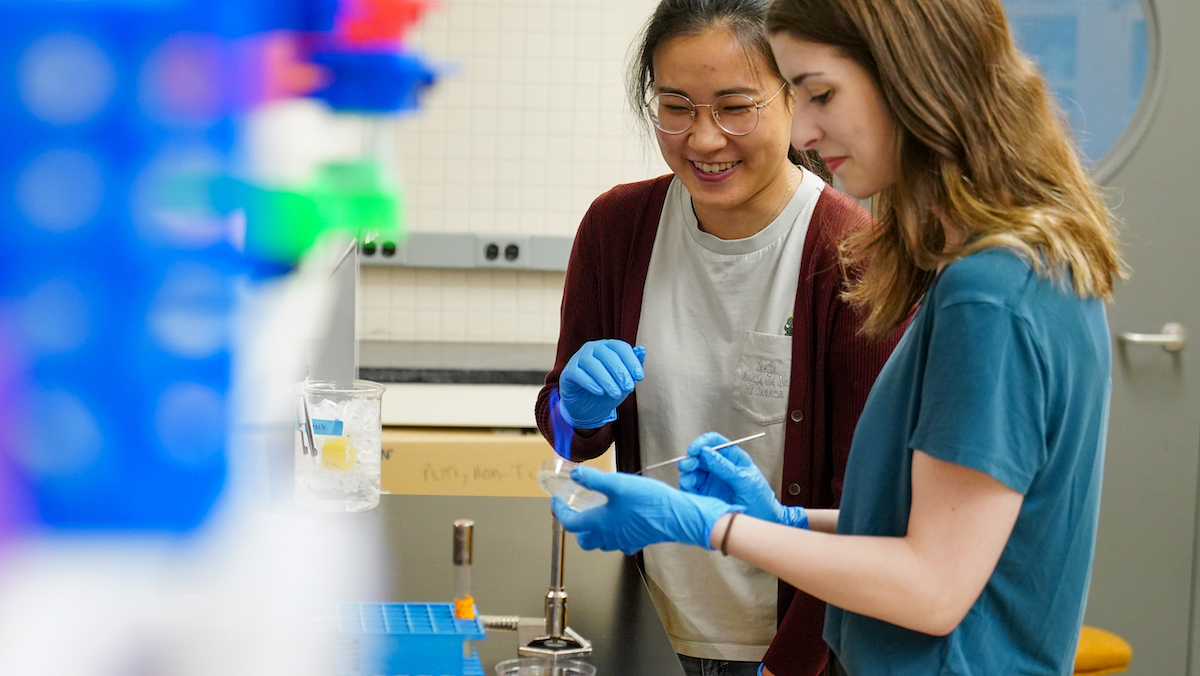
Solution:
(371, 22)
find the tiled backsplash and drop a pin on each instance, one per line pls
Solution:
(473, 306)
(527, 126)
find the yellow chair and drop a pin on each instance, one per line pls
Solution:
(1101, 652)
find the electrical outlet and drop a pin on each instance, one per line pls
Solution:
(502, 251)
(464, 250)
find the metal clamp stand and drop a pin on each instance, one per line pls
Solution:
(559, 640)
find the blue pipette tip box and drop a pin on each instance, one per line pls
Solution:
(405, 639)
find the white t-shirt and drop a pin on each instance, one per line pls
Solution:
(716, 324)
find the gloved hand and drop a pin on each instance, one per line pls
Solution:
(639, 512)
(596, 379)
(731, 476)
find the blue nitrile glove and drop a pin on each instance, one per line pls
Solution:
(596, 379)
(639, 512)
(731, 476)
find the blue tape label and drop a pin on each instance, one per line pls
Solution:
(327, 427)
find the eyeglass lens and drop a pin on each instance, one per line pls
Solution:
(674, 114)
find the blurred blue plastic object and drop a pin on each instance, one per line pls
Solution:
(374, 83)
(115, 264)
(120, 295)
(239, 19)
(405, 639)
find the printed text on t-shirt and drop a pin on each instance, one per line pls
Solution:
(768, 379)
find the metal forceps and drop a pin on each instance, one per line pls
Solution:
(718, 447)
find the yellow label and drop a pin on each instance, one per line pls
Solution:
(464, 608)
(338, 454)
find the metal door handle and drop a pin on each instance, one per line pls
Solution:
(1172, 338)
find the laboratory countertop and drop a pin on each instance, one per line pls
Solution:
(608, 601)
(456, 363)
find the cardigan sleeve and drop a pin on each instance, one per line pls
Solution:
(855, 359)
(581, 320)
(602, 299)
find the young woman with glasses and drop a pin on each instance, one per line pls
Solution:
(724, 278)
(964, 540)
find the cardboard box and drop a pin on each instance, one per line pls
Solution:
(467, 462)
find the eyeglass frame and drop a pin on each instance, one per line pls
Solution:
(713, 111)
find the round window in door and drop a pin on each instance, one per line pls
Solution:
(1097, 57)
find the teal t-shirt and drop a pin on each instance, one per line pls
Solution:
(1008, 373)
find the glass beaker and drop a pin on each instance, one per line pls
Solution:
(554, 476)
(541, 666)
(341, 471)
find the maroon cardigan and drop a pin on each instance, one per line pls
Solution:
(833, 367)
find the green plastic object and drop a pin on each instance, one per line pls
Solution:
(282, 225)
(350, 197)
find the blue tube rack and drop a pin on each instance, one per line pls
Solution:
(405, 639)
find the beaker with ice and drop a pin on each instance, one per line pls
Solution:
(337, 467)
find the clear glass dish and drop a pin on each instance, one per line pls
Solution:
(554, 476)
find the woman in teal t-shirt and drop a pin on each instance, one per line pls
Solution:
(967, 526)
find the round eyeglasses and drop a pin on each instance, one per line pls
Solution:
(735, 114)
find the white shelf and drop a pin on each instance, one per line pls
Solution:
(439, 405)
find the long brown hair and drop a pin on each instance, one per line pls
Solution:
(981, 148)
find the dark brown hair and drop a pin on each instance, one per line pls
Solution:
(673, 18)
(981, 148)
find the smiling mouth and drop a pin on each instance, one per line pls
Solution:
(715, 168)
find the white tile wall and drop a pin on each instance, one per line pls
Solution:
(528, 125)
(476, 306)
